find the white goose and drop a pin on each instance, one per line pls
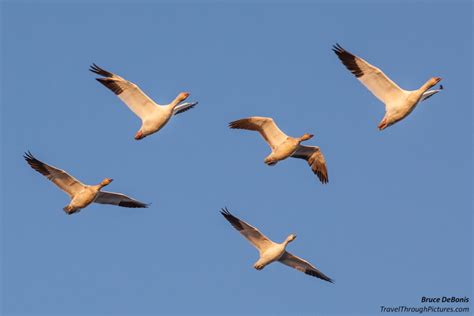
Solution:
(398, 102)
(154, 116)
(81, 195)
(271, 251)
(284, 146)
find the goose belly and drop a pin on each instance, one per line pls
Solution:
(272, 254)
(285, 150)
(400, 114)
(83, 198)
(156, 122)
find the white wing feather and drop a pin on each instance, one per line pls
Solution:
(371, 77)
(138, 102)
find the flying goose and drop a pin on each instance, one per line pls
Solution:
(153, 115)
(270, 251)
(81, 194)
(398, 102)
(284, 146)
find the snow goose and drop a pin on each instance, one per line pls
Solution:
(81, 195)
(398, 102)
(154, 116)
(284, 146)
(270, 251)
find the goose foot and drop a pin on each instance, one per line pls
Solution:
(258, 266)
(70, 210)
(139, 135)
(383, 124)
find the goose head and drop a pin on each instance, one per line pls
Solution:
(180, 98)
(106, 182)
(290, 238)
(434, 81)
(306, 137)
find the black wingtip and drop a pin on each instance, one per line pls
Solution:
(233, 124)
(28, 156)
(319, 275)
(337, 49)
(323, 177)
(35, 163)
(94, 68)
(133, 204)
(111, 84)
(100, 71)
(441, 87)
(348, 59)
(234, 221)
(225, 212)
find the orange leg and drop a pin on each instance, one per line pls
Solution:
(139, 135)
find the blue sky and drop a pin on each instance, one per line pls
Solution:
(393, 224)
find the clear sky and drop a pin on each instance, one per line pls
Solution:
(393, 224)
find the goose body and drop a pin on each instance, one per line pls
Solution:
(283, 151)
(399, 103)
(153, 116)
(81, 194)
(270, 251)
(284, 146)
(83, 198)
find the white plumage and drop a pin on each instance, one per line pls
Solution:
(153, 116)
(270, 251)
(399, 103)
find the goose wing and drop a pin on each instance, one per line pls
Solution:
(315, 159)
(428, 94)
(183, 107)
(61, 178)
(119, 199)
(265, 126)
(371, 77)
(256, 238)
(127, 91)
(303, 266)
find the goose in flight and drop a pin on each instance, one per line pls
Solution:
(398, 102)
(284, 146)
(153, 115)
(81, 194)
(271, 251)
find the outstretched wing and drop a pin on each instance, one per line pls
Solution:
(371, 77)
(127, 91)
(61, 178)
(119, 199)
(256, 238)
(303, 266)
(265, 126)
(428, 94)
(183, 107)
(315, 159)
